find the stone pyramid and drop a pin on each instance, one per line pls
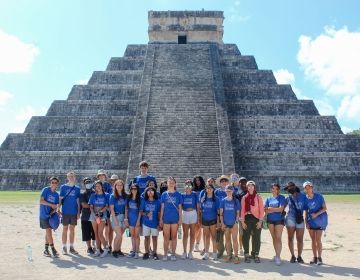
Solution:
(188, 104)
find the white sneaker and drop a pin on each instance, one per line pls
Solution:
(241, 252)
(165, 258)
(214, 256)
(97, 253)
(183, 256)
(196, 249)
(278, 261)
(104, 254)
(190, 256)
(136, 256)
(205, 257)
(273, 259)
(173, 258)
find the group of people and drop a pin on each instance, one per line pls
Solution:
(226, 212)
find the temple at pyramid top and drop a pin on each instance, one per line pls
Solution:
(186, 26)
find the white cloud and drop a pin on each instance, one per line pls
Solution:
(5, 97)
(332, 59)
(82, 82)
(349, 108)
(324, 107)
(346, 129)
(234, 13)
(15, 55)
(27, 112)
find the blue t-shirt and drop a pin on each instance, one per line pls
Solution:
(171, 203)
(300, 202)
(314, 204)
(152, 208)
(220, 193)
(142, 196)
(209, 208)
(230, 207)
(189, 200)
(50, 197)
(99, 200)
(107, 187)
(201, 195)
(133, 212)
(70, 206)
(275, 202)
(142, 181)
(118, 203)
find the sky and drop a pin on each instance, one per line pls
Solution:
(48, 46)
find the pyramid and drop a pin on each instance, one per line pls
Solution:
(188, 104)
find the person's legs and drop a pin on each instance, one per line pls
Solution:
(300, 240)
(137, 239)
(96, 232)
(72, 235)
(272, 233)
(256, 239)
(186, 229)
(173, 234)
(198, 233)
(117, 239)
(221, 247)
(313, 242)
(246, 238)
(227, 234)
(241, 233)
(278, 243)
(111, 233)
(48, 237)
(64, 237)
(192, 237)
(213, 239)
(154, 242)
(101, 234)
(318, 235)
(206, 231)
(234, 235)
(147, 244)
(291, 233)
(166, 231)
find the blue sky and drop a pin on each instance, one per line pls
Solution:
(48, 46)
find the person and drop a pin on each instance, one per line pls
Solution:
(163, 187)
(109, 232)
(117, 204)
(274, 210)
(209, 205)
(220, 193)
(99, 202)
(144, 177)
(49, 203)
(150, 213)
(70, 208)
(132, 219)
(294, 220)
(242, 191)
(251, 217)
(190, 208)
(229, 217)
(316, 220)
(112, 181)
(170, 217)
(198, 186)
(87, 230)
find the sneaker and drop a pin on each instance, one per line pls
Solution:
(73, 251)
(241, 252)
(219, 255)
(257, 259)
(90, 251)
(55, 253)
(205, 257)
(173, 258)
(136, 256)
(115, 254)
(46, 253)
(247, 258)
(131, 254)
(64, 251)
(196, 249)
(293, 259)
(97, 253)
(155, 257)
(104, 254)
(165, 258)
(110, 249)
(183, 256)
(101, 251)
(202, 252)
(214, 256)
(273, 259)
(314, 261)
(236, 260)
(300, 259)
(190, 256)
(146, 256)
(319, 262)
(278, 261)
(120, 254)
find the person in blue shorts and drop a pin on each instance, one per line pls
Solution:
(132, 219)
(142, 179)
(150, 213)
(70, 209)
(274, 209)
(49, 203)
(117, 204)
(229, 218)
(170, 217)
(209, 206)
(294, 220)
(316, 220)
(198, 187)
(190, 208)
(99, 202)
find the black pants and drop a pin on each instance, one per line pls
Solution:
(87, 231)
(254, 233)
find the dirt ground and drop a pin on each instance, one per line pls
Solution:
(19, 227)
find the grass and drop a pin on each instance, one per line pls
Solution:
(28, 197)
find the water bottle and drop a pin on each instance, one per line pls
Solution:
(29, 253)
(127, 232)
(179, 233)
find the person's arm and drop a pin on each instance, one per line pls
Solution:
(138, 219)
(79, 208)
(161, 223)
(261, 212)
(44, 202)
(322, 210)
(242, 213)
(126, 220)
(221, 211)
(112, 211)
(180, 214)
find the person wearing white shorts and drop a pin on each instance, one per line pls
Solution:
(190, 216)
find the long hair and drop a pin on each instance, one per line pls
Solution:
(146, 196)
(148, 183)
(98, 182)
(116, 193)
(197, 188)
(137, 198)
(205, 197)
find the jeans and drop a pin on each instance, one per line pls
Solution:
(254, 233)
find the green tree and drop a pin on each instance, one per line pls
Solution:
(355, 132)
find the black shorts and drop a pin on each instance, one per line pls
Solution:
(87, 231)
(69, 220)
(44, 224)
(315, 228)
(208, 223)
(276, 223)
(229, 226)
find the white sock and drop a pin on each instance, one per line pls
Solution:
(64, 246)
(71, 245)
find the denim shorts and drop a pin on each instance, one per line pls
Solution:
(290, 221)
(93, 217)
(120, 218)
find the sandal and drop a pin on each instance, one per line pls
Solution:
(257, 259)
(227, 259)
(247, 258)
(236, 260)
